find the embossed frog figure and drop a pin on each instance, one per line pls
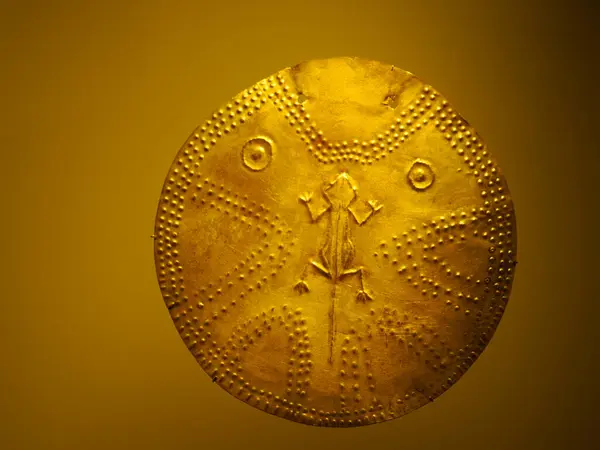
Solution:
(337, 252)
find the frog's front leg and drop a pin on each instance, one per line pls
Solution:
(363, 294)
(364, 210)
(315, 210)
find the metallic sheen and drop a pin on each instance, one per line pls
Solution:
(335, 245)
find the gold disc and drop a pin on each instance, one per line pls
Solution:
(335, 245)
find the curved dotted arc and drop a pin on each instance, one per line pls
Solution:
(416, 116)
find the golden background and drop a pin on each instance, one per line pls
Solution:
(98, 97)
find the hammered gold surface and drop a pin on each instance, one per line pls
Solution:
(336, 245)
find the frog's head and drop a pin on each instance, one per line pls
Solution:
(342, 189)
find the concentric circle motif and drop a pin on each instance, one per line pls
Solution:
(335, 245)
(257, 153)
(420, 175)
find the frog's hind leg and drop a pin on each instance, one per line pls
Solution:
(320, 267)
(363, 294)
(301, 286)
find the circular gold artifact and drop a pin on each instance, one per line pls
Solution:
(336, 245)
